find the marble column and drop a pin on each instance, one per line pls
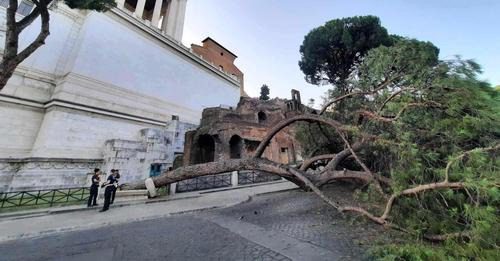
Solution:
(139, 8)
(165, 15)
(179, 22)
(169, 28)
(156, 13)
(120, 3)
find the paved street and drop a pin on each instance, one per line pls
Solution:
(291, 225)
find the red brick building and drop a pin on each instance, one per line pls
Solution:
(221, 57)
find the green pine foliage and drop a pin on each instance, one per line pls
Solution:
(330, 52)
(445, 112)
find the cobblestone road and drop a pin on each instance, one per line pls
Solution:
(291, 225)
(303, 216)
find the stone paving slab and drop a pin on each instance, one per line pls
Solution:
(276, 241)
(12, 229)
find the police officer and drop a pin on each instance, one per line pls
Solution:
(94, 188)
(117, 177)
(109, 186)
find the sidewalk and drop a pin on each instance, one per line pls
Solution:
(74, 219)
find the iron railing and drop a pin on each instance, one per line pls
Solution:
(250, 177)
(43, 197)
(204, 182)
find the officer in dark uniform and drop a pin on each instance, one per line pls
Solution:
(117, 177)
(109, 186)
(94, 188)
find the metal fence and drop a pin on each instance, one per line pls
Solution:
(43, 197)
(250, 177)
(204, 182)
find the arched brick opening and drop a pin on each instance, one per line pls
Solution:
(206, 149)
(262, 116)
(235, 147)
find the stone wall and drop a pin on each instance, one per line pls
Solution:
(227, 133)
(134, 158)
(43, 173)
(155, 146)
(102, 83)
(69, 133)
(19, 129)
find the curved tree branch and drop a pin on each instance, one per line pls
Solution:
(30, 18)
(381, 86)
(376, 116)
(12, 57)
(40, 39)
(393, 96)
(286, 122)
(461, 156)
(307, 163)
(339, 157)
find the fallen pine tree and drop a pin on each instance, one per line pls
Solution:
(420, 135)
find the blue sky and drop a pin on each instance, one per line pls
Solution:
(266, 34)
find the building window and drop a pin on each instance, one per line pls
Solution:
(155, 170)
(221, 67)
(4, 3)
(25, 8)
(221, 54)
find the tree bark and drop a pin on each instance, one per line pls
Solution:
(259, 164)
(287, 122)
(307, 163)
(12, 57)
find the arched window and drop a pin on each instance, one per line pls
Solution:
(235, 147)
(262, 116)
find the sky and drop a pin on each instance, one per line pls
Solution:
(266, 34)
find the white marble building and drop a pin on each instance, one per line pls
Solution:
(99, 79)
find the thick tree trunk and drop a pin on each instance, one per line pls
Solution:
(263, 165)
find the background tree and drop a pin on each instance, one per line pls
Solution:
(330, 53)
(311, 103)
(264, 93)
(12, 56)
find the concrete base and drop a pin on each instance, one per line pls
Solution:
(150, 186)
